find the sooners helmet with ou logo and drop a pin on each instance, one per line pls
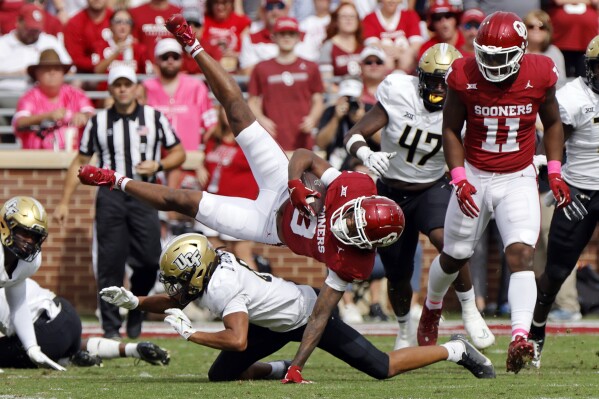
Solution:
(499, 45)
(378, 222)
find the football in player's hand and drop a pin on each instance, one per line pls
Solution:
(312, 182)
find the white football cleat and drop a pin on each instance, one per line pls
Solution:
(480, 334)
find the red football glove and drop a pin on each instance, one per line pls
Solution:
(179, 27)
(294, 376)
(464, 192)
(301, 196)
(561, 191)
(94, 176)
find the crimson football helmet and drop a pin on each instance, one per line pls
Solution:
(377, 222)
(499, 45)
(591, 64)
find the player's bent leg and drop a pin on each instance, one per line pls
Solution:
(262, 342)
(245, 219)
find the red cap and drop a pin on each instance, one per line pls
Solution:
(473, 15)
(286, 24)
(32, 16)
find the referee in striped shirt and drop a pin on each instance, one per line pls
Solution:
(128, 138)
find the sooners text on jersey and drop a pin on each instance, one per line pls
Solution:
(313, 237)
(500, 129)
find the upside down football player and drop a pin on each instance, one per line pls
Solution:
(343, 236)
(261, 313)
(498, 94)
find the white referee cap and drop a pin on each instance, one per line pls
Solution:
(121, 71)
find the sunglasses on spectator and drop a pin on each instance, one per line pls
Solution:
(272, 6)
(122, 21)
(471, 25)
(373, 62)
(443, 15)
(174, 56)
(533, 27)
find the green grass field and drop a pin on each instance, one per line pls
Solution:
(570, 370)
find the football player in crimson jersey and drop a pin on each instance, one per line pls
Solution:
(572, 229)
(498, 94)
(353, 222)
(409, 110)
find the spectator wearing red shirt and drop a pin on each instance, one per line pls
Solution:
(222, 32)
(343, 42)
(53, 101)
(84, 31)
(286, 91)
(395, 30)
(443, 18)
(9, 13)
(119, 47)
(574, 26)
(149, 21)
(260, 46)
(469, 24)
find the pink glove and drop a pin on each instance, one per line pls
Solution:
(179, 27)
(94, 176)
(560, 189)
(301, 196)
(294, 376)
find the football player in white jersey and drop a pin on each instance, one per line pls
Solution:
(23, 229)
(411, 167)
(572, 227)
(262, 313)
(58, 331)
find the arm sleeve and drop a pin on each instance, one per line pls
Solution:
(20, 315)
(336, 282)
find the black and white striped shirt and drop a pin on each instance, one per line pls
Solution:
(123, 141)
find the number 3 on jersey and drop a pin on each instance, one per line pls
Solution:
(302, 225)
(511, 145)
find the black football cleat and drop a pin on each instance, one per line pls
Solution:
(153, 354)
(474, 361)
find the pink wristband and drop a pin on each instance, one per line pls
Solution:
(554, 167)
(458, 174)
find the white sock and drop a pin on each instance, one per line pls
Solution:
(438, 284)
(468, 302)
(455, 349)
(278, 370)
(131, 351)
(522, 295)
(103, 347)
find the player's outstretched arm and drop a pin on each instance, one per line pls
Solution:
(327, 300)
(157, 196)
(223, 86)
(355, 140)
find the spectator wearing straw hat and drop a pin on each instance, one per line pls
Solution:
(51, 101)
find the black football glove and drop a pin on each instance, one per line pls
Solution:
(575, 211)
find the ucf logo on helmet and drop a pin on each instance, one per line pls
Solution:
(11, 206)
(188, 260)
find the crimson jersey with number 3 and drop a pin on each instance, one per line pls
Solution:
(313, 237)
(501, 117)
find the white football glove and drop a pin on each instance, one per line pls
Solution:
(180, 322)
(38, 357)
(377, 162)
(120, 297)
